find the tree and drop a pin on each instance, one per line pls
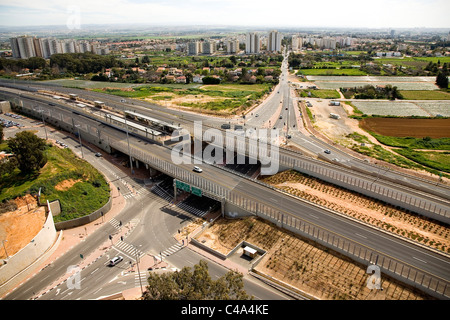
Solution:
(28, 150)
(442, 80)
(195, 285)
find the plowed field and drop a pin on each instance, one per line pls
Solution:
(417, 128)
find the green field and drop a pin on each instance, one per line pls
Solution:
(435, 160)
(321, 93)
(414, 143)
(332, 72)
(425, 95)
(90, 193)
(234, 95)
(409, 152)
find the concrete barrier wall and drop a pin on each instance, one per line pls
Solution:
(42, 242)
(85, 219)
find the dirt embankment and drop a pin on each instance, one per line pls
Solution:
(303, 264)
(18, 227)
(368, 210)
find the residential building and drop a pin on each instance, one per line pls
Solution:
(252, 43)
(232, 46)
(23, 47)
(208, 47)
(194, 48)
(274, 43)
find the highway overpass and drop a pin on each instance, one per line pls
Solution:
(406, 261)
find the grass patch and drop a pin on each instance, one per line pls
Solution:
(219, 105)
(425, 95)
(436, 160)
(321, 93)
(414, 143)
(84, 197)
(310, 115)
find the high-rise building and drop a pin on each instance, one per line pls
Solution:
(208, 47)
(274, 43)
(232, 46)
(23, 47)
(252, 43)
(15, 47)
(194, 48)
(295, 42)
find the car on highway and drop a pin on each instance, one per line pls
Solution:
(98, 154)
(256, 115)
(115, 261)
(327, 151)
(197, 169)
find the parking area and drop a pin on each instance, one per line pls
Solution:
(8, 120)
(335, 127)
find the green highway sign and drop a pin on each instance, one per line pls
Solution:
(186, 187)
(183, 186)
(197, 191)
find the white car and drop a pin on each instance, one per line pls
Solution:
(197, 169)
(115, 260)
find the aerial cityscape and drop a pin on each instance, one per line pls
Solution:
(233, 151)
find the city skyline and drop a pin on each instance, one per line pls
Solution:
(288, 13)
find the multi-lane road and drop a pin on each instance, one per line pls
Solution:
(155, 223)
(421, 258)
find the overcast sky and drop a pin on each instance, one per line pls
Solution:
(289, 13)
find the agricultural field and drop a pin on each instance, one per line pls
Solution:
(404, 108)
(366, 209)
(304, 264)
(390, 108)
(425, 95)
(402, 83)
(398, 127)
(321, 93)
(332, 72)
(436, 108)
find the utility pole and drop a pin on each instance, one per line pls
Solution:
(139, 273)
(128, 141)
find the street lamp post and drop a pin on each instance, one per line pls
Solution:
(3, 242)
(128, 142)
(139, 273)
(79, 137)
(41, 111)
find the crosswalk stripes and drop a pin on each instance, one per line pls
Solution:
(128, 250)
(115, 223)
(140, 277)
(138, 193)
(169, 251)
